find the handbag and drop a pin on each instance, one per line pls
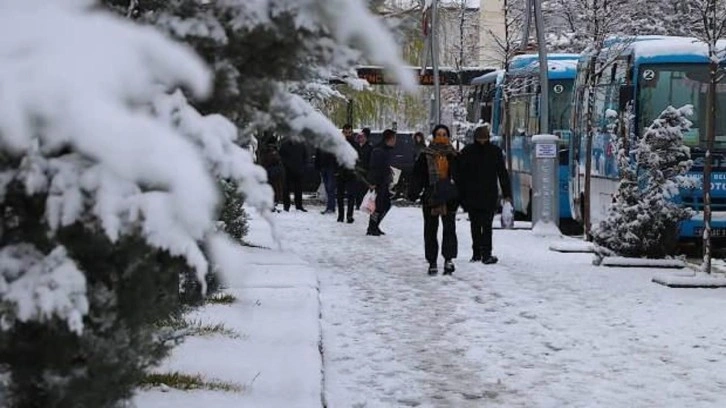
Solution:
(368, 205)
(443, 192)
(507, 219)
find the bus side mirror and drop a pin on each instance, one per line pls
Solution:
(625, 97)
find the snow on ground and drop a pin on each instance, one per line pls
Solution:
(539, 329)
(273, 356)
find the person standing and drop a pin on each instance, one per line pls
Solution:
(364, 158)
(271, 161)
(325, 163)
(380, 177)
(419, 144)
(481, 168)
(294, 157)
(435, 173)
(346, 181)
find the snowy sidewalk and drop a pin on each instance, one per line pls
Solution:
(539, 329)
(272, 352)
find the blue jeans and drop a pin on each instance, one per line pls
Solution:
(328, 176)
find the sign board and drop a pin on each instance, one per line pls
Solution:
(447, 76)
(545, 150)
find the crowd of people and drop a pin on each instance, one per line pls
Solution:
(443, 179)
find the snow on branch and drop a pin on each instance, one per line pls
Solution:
(313, 126)
(75, 91)
(38, 287)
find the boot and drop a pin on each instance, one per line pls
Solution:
(449, 267)
(489, 259)
(433, 269)
(373, 227)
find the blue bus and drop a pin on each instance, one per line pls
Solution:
(522, 85)
(651, 73)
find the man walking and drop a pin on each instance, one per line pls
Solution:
(380, 176)
(481, 168)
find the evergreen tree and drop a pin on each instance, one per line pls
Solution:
(643, 220)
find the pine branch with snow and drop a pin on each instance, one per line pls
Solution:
(644, 218)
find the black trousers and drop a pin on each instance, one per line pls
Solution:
(293, 182)
(481, 232)
(383, 205)
(345, 190)
(449, 244)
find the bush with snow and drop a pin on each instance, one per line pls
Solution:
(643, 219)
(110, 179)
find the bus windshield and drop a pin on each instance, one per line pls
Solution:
(676, 85)
(560, 104)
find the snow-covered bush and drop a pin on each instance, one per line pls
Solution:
(109, 178)
(107, 195)
(643, 219)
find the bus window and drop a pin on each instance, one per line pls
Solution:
(664, 85)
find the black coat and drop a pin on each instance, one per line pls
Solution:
(343, 173)
(325, 160)
(421, 183)
(294, 156)
(379, 169)
(481, 166)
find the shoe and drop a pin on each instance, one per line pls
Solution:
(373, 233)
(287, 209)
(327, 212)
(379, 231)
(340, 219)
(490, 260)
(433, 269)
(350, 220)
(475, 258)
(302, 209)
(449, 267)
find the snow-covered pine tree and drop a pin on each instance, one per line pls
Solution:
(107, 184)
(643, 220)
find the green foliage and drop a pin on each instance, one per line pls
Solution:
(188, 382)
(130, 286)
(233, 218)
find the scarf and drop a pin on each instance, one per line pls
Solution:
(437, 160)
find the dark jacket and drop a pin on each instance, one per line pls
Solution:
(343, 173)
(481, 166)
(421, 179)
(294, 156)
(324, 160)
(379, 168)
(271, 161)
(364, 161)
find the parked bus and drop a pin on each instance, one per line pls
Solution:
(651, 73)
(522, 84)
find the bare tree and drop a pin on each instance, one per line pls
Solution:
(709, 28)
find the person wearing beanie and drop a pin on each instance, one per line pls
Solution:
(482, 167)
(434, 175)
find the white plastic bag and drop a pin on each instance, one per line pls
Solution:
(322, 196)
(396, 173)
(368, 205)
(507, 218)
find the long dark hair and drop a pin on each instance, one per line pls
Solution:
(440, 126)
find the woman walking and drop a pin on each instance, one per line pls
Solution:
(433, 174)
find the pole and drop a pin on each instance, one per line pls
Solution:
(435, 60)
(544, 96)
(527, 23)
